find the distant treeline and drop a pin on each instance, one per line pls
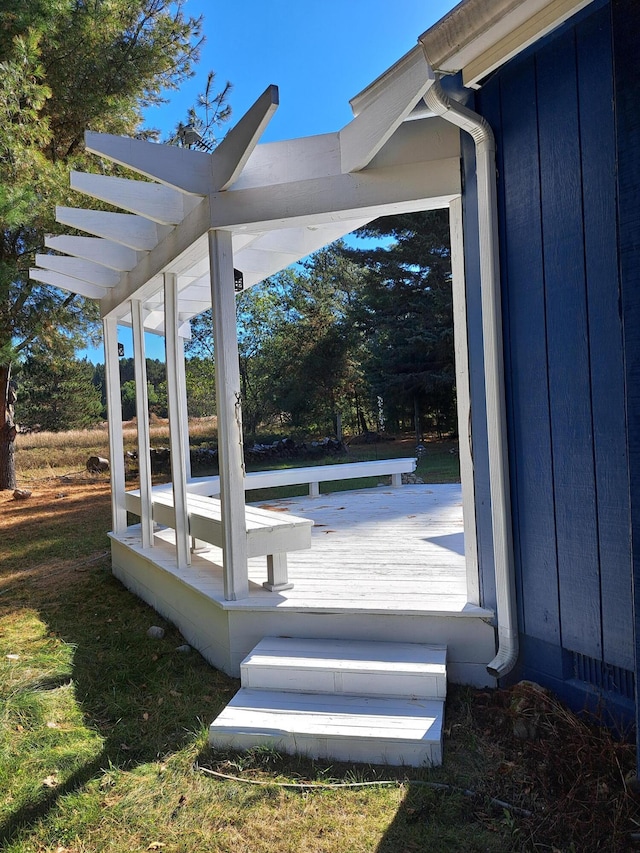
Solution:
(361, 337)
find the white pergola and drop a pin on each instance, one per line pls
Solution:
(252, 207)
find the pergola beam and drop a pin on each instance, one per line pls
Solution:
(161, 204)
(229, 158)
(180, 168)
(390, 103)
(130, 230)
(97, 249)
(66, 282)
(76, 268)
(324, 200)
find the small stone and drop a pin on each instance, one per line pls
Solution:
(184, 649)
(21, 494)
(155, 632)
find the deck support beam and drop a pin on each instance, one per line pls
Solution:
(142, 417)
(177, 438)
(229, 409)
(116, 440)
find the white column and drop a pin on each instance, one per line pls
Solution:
(114, 413)
(182, 396)
(463, 399)
(228, 401)
(176, 425)
(142, 416)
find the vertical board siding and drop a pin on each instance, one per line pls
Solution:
(568, 347)
(626, 29)
(552, 113)
(597, 138)
(529, 400)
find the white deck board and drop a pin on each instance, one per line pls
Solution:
(379, 550)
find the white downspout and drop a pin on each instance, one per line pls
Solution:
(479, 129)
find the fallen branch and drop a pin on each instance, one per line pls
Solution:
(323, 786)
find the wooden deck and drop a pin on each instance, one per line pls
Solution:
(393, 554)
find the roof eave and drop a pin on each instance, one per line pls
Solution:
(478, 36)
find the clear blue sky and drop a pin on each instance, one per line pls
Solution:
(319, 53)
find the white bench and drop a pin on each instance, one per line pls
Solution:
(313, 476)
(270, 534)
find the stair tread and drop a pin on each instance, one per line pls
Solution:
(279, 713)
(362, 656)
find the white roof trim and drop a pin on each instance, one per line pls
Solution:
(478, 36)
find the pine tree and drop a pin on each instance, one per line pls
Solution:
(66, 66)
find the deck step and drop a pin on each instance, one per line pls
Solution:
(341, 727)
(408, 670)
(344, 700)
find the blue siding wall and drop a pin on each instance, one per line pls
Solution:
(626, 41)
(553, 115)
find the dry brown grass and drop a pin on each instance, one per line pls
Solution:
(44, 455)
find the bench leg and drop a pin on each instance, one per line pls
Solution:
(314, 490)
(278, 577)
(198, 546)
(396, 480)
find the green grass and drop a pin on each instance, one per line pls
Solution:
(101, 727)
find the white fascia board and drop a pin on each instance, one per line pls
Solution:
(130, 230)
(383, 113)
(478, 36)
(77, 268)
(97, 249)
(65, 282)
(153, 201)
(180, 168)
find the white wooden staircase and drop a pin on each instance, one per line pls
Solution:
(345, 700)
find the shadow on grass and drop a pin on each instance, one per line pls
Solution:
(143, 697)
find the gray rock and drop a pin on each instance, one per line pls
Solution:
(184, 649)
(155, 632)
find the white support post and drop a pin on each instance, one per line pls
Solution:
(464, 399)
(176, 425)
(142, 416)
(230, 449)
(182, 397)
(116, 439)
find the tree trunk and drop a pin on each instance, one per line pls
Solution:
(7, 430)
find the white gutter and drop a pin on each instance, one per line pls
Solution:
(479, 129)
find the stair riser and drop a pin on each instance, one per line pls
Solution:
(309, 680)
(337, 749)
